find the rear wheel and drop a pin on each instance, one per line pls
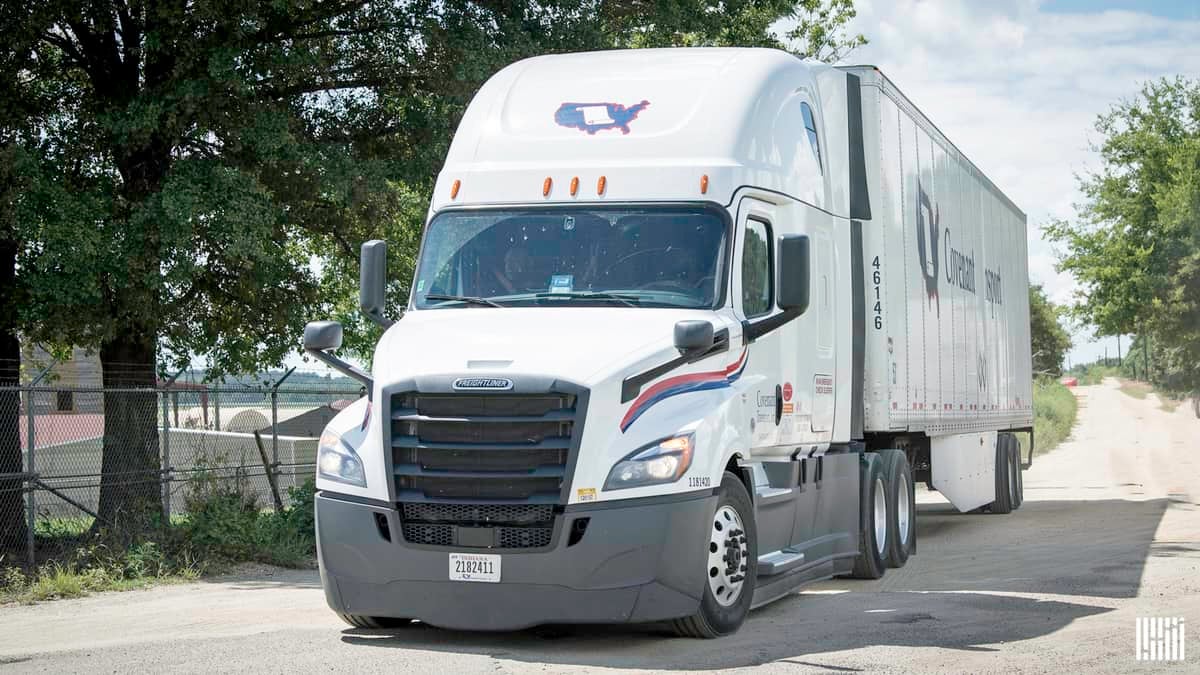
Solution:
(873, 521)
(373, 622)
(902, 523)
(1018, 484)
(731, 566)
(1004, 477)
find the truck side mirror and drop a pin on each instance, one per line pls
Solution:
(322, 336)
(693, 336)
(795, 266)
(372, 281)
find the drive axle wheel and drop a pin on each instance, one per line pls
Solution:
(731, 566)
(874, 516)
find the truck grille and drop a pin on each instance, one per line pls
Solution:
(481, 470)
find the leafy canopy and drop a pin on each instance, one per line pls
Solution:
(1135, 247)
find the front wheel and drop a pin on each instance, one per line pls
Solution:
(731, 568)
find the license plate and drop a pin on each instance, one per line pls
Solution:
(475, 567)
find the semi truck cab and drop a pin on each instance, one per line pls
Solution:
(629, 382)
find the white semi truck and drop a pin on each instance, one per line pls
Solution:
(686, 327)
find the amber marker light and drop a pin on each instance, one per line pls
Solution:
(601, 185)
(704, 184)
(546, 186)
(575, 186)
(454, 188)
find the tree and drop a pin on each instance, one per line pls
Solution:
(1135, 247)
(1050, 341)
(204, 155)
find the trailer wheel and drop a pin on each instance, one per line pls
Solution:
(902, 507)
(873, 520)
(373, 622)
(732, 566)
(1004, 477)
(1018, 483)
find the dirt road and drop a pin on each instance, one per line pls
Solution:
(1110, 531)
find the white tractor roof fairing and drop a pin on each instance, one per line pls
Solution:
(651, 121)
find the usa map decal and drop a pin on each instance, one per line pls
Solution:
(594, 117)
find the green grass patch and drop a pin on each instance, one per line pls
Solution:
(224, 525)
(1095, 374)
(1054, 412)
(1168, 402)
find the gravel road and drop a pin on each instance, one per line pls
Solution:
(1110, 531)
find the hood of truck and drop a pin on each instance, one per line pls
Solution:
(582, 345)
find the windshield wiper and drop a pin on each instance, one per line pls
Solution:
(593, 295)
(470, 300)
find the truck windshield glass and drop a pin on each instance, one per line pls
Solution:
(640, 257)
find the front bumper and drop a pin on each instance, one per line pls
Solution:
(640, 560)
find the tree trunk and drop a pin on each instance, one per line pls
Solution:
(130, 484)
(12, 507)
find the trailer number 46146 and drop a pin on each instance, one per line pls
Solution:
(876, 279)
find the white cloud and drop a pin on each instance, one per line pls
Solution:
(1018, 88)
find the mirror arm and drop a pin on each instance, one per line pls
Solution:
(752, 330)
(345, 368)
(383, 321)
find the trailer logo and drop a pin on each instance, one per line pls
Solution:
(482, 383)
(595, 117)
(927, 243)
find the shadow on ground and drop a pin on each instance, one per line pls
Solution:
(967, 589)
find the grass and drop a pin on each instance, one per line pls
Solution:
(1135, 388)
(1095, 374)
(224, 526)
(1054, 412)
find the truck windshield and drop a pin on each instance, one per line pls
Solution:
(668, 256)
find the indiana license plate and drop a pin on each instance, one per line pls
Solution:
(475, 567)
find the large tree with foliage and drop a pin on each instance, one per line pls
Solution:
(1050, 341)
(205, 154)
(1135, 246)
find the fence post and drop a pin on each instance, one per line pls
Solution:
(275, 422)
(31, 495)
(216, 409)
(166, 457)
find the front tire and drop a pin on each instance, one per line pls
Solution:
(373, 622)
(731, 568)
(873, 510)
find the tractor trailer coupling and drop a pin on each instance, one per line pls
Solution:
(684, 329)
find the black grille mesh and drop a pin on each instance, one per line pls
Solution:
(479, 513)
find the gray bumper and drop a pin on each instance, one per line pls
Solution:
(636, 562)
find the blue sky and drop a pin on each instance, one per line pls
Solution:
(1017, 85)
(1172, 9)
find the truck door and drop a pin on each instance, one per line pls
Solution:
(754, 300)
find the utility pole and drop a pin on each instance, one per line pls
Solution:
(1146, 355)
(1118, 349)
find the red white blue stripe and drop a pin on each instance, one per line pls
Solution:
(684, 384)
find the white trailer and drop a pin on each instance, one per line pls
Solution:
(685, 328)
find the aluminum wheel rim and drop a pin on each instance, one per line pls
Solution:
(880, 517)
(728, 556)
(902, 511)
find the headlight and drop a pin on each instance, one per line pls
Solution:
(337, 461)
(664, 461)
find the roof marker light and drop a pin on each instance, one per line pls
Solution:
(574, 186)
(546, 186)
(454, 188)
(704, 184)
(601, 185)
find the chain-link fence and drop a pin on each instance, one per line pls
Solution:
(87, 452)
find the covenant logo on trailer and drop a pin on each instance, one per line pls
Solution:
(594, 117)
(482, 383)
